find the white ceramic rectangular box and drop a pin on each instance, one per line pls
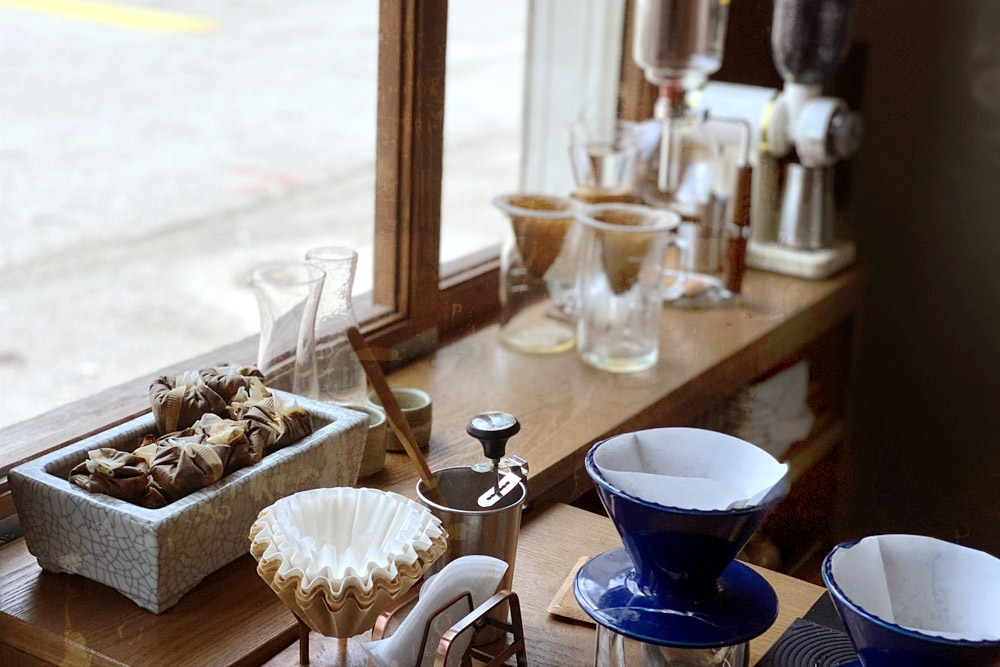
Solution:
(155, 556)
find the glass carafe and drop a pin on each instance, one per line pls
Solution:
(287, 296)
(341, 377)
(614, 650)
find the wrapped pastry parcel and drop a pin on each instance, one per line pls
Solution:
(183, 465)
(247, 397)
(226, 380)
(180, 401)
(275, 422)
(218, 431)
(113, 472)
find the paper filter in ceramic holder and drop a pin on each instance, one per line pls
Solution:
(917, 601)
(684, 501)
(337, 557)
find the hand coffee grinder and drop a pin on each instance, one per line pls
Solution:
(791, 228)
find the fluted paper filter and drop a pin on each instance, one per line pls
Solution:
(337, 557)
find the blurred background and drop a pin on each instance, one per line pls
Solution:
(925, 450)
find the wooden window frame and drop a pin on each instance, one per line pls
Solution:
(416, 302)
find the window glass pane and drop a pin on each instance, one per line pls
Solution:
(484, 89)
(151, 155)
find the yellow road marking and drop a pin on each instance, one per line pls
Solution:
(136, 18)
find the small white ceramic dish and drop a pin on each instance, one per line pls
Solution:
(337, 557)
(373, 459)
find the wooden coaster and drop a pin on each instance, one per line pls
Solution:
(564, 604)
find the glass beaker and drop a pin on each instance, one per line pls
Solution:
(619, 285)
(341, 378)
(536, 276)
(602, 156)
(287, 297)
(615, 650)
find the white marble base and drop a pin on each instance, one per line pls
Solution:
(810, 264)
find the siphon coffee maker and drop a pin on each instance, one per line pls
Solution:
(683, 166)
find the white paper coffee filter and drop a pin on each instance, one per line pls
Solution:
(688, 468)
(923, 584)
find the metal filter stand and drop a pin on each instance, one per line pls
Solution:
(477, 618)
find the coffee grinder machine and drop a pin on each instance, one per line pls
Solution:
(792, 216)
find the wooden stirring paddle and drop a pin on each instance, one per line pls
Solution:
(393, 413)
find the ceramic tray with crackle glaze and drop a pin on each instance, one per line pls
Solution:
(155, 556)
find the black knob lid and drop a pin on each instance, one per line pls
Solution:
(493, 429)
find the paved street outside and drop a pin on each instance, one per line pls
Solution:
(144, 174)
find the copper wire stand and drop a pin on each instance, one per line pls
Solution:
(493, 655)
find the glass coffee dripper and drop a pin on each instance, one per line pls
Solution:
(536, 292)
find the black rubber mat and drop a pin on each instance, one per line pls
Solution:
(816, 640)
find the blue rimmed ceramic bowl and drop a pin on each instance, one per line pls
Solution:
(935, 592)
(681, 552)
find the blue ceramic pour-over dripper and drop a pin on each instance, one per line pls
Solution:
(943, 601)
(676, 551)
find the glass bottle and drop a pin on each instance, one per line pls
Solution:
(287, 297)
(341, 377)
(615, 650)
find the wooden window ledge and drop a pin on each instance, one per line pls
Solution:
(563, 405)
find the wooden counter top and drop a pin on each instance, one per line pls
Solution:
(563, 405)
(236, 619)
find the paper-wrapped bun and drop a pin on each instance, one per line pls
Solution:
(226, 380)
(218, 431)
(274, 423)
(112, 472)
(184, 465)
(180, 401)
